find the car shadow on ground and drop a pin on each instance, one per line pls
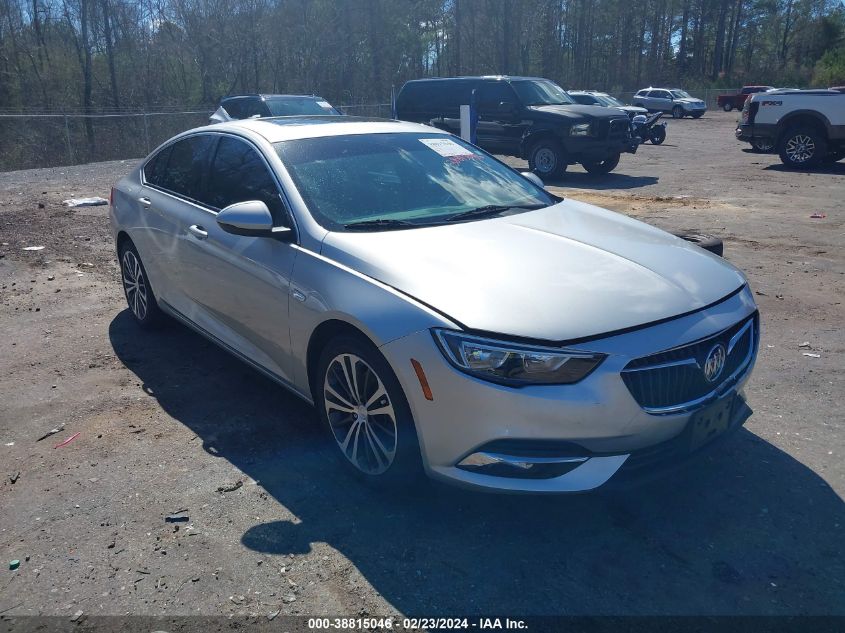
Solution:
(748, 530)
(834, 169)
(613, 180)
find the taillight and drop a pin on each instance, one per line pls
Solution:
(111, 197)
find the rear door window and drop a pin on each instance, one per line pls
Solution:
(186, 166)
(491, 93)
(584, 99)
(253, 107)
(239, 174)
(234, 108)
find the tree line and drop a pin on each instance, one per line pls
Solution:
(98, 55)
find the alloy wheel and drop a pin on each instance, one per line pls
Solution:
(360, 414)
(800, 148)
(134, 285)
(545, 160)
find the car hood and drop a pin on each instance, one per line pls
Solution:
(633, 109)
(579, 111)
(688, 100)
(565, 272)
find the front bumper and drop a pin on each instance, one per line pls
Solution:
(573, 437)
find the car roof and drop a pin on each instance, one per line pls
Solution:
(588, 92)
(276, 129)
(268, 96)
(479, 77)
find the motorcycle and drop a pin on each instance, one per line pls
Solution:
(648, 129)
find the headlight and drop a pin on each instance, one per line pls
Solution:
(581, 129)
(512, 363)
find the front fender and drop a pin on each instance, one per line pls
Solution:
(531, 136)
(325, 290)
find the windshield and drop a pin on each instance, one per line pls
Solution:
(294, 106)
(680, 94)
(541, 93)
(609, 101)
(401, 178)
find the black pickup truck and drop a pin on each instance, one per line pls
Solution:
(526, 117)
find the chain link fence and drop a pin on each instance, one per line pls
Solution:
(29, 141)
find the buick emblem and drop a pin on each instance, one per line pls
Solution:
(715, 362)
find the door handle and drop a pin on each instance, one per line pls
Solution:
(145, 202)
(198, 232)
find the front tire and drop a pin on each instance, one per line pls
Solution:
(802, 147)
(603, 166)
(547, 159)
(727, 107)
(363, 407)
(136, 288)
(677, 112)
(697, 115)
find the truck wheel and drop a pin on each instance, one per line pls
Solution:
(547, 159)
(657, 134)
(603, 166)
(727, 107)
(802, 147)
(762, 145)
(707, 242)
(678, 112)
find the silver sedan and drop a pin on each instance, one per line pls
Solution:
(443, 313)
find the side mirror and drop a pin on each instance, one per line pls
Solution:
(534, 178)
(251, 219)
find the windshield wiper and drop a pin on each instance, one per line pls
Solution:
(491, 209)
(378, 223)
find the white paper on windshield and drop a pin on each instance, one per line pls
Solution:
(324, 104)
(446, 147)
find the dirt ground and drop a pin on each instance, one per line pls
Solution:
(168, 422)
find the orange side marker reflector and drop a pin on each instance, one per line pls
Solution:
(423, 380)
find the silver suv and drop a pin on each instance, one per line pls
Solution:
(673, 100)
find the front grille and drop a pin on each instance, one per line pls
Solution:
(619, 128)
(613, 128)
(674, 380)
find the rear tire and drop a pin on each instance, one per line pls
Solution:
(657, 135)
(603, 166)
(547, 159)
(802, 147)
(677, 112)
(136, 288)
(365, 412)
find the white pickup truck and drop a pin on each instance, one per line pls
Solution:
(806, 127)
